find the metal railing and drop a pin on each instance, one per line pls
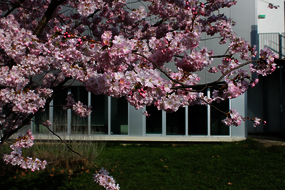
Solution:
(273, 41)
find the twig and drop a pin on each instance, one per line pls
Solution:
(213, 106)
(132, 67)
(66, 144)
(71, 148)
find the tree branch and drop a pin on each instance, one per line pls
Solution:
(70, 147)
(18, 4)
(89, 16)
(213, 106)
(47, 16)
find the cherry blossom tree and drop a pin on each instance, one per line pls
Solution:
(120, 52)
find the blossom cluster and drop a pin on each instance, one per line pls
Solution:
(16, 158)
(103, 178)
(79, 108)
(266, 65)
(138, 14)
(87, 7)
(196, 61)
(233, 118)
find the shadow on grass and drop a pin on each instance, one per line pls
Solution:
(40, 181)
(49, 180)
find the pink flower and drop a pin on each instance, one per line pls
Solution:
(16, 158)
(146, 114)
(256, 121)
(103, 178)
(233, 118)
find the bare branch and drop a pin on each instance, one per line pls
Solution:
(70, 147)
(213, 106)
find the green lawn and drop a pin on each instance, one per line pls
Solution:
(237, 165)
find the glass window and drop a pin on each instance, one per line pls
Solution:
(197, 120)
(38, 127)
(217, 126)
(175, 122)
(154, 121)
(119, 116)
(79, 125)
(60, 115)
(99, 115)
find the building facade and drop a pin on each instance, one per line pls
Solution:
(114, 119)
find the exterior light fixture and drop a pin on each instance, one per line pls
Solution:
(261, 16)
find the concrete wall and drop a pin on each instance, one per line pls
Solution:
(274, 18)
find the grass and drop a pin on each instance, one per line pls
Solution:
(237, 165)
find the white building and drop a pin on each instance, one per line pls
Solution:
(114, 120)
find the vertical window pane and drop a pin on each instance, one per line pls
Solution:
(99, 115)
(119, 116)
(217, 126)
(41, 117)
(60, 115)
(197, 120)
(154, 121)
(175, 122)
(79, 125)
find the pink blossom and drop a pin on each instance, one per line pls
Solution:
(16, 158)
(146, 113)
(103, 178)
(233, 118)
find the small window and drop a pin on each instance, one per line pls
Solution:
(60, 115)
(175, 122)
(217, 126)
(38, 127)
(99, 115)
(154, 121)
(197, 120)
(119, 116)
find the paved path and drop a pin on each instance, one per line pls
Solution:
(268, 141)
